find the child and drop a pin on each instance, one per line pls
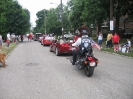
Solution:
(128, 45)
(7, 43)
(100, 39)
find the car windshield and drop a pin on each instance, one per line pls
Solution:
(68, 35)
(49, 38)
(69, 40)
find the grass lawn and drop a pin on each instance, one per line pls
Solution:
(122, 41)
(8, 50)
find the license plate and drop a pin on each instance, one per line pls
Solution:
(92, 64)
(72, 48)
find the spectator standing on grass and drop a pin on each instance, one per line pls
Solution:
(8, 36)
(1, 40)
(17, 38)
(30, 36)
(21, 38)
(7, 43)
(13, 37)
(115, 41)
(109, 40)
(100, 39)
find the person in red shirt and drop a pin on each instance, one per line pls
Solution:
(7, 43)
(30, 36)
(115, 41)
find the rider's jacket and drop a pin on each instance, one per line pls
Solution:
(93, 43)
(78, 42)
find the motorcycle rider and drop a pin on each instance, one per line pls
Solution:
(78, 43)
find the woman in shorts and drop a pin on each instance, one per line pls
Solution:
(100, 39)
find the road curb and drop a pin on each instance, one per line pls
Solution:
(117, 54)
(11, 51)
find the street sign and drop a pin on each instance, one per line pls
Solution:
(111, 25)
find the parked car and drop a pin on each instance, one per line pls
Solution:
(37, 35)
(68, 35)
(62, 46)
(47, 40)
(40, 38)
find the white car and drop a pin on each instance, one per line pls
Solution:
(68, 35)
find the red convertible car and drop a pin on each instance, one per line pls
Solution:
(47, 40)
(62, 46)
(40, 38)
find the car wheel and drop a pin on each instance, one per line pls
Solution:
(41, 43)
(57, 51)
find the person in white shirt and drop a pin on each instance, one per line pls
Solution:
(8, 36)
(100, 39)
(128, 45)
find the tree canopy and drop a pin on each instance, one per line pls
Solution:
(14, 18)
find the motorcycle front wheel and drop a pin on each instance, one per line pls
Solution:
(89, 71)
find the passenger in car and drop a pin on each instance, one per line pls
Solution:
(61, 40)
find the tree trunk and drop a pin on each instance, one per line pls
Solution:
(117, 24)
(99, 28)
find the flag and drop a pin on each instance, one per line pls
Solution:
(94, 44)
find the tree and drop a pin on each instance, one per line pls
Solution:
(3, 20)
(18, 19)
(89, 12)
(14, 18)
(53, 20)
(122, 8)
(76, 6)
(40, 22)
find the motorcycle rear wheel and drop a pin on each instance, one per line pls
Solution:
(89, 71)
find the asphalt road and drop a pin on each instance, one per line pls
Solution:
(33, 72)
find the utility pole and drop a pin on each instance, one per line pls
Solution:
(62, 19)
(111, 16)
(45, 20)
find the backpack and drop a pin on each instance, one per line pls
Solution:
(85, 46)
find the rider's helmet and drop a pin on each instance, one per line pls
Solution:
(84, 32)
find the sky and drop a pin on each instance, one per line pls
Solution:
(36, 5)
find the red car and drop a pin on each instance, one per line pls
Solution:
(47, 40)
(40, 38)
(62, 46)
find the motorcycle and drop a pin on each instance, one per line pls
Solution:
(87, 61)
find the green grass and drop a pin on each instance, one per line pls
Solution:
(7, 50)
(129, 54)
(122, 41)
